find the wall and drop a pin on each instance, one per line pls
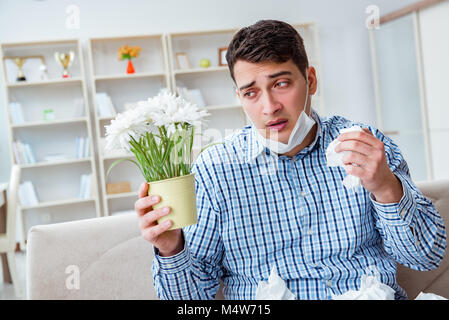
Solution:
(344, 46)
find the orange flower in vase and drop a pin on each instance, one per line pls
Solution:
(127, 52)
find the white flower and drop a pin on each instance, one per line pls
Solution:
(131, 123)
(167, 110)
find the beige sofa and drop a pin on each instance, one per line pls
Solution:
(106, 258)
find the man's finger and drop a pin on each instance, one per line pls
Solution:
(144, 205)
(151, 233)
(150, 218)
(360, 136)
(355, 146)
(355, 158)
(143, 189)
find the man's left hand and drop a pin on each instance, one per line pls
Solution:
(368, 154)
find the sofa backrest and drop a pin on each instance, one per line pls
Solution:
(435, 281)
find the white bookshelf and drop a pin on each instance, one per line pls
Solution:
(109, 75)
(214, 82)
(56, 182)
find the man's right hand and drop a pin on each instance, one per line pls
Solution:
(169, 242)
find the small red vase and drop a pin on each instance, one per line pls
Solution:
(130, 68)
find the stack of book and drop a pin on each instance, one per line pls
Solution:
(85, 191)
(27, 194)
(82, 147)
(23, 153)
(105, 108)
(16, 113)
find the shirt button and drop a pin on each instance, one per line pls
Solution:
(402, 214)
(310, 231)
(328, 283)
(303, 193)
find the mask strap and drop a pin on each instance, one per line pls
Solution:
(307, 98)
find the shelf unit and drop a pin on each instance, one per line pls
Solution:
(53, 180)
(109, 75)
(214, 82)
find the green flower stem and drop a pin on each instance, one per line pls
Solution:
(163, 156)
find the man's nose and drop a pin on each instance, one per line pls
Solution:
(270, 105)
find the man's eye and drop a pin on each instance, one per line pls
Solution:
(282, 84)
(249, 94)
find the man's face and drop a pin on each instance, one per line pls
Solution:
(273, 95)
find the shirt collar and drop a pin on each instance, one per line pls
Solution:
(255, 148)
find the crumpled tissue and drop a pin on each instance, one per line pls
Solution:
(335, 159)
(370, 289)
(273, 289)
(429, 296)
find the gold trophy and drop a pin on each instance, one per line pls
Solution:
(65, 60)
(19, 61)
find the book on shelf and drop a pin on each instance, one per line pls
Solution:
(16, 113)
(105, 107)
(23, 153)
(27, 194)
(85, 191)
(82, 147)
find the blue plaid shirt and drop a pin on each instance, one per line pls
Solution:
(258, 210)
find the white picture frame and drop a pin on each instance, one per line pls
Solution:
(182, 62)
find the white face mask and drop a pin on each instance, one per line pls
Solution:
(302, 127)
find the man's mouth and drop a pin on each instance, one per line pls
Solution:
(277, 124)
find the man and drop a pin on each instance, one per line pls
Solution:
(266, 197)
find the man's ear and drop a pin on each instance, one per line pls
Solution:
(313, 82)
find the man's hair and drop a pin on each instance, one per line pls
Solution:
(267, 40)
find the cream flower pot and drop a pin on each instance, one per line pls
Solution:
(178, 194)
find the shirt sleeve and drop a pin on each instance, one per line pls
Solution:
(412, 230)
(195, 272)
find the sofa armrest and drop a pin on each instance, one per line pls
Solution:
(113, 260)
(434, 281)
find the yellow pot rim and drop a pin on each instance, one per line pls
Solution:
(173, 179)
